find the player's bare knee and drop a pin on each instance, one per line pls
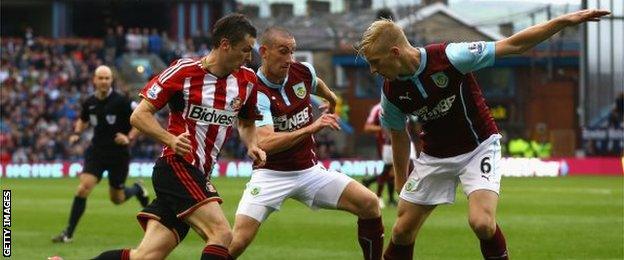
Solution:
(220, 234)
(369, 207)
(226, 236)
(84, 190)
(401, 232)
(484, 226)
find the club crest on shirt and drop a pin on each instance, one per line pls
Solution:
(152, 92)
(236, 104)
(476, 48)
(300, 90)
(111, 119)
(440, 79)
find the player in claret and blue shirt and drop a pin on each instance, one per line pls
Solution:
(461, 143)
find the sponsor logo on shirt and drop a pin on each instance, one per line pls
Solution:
(236, 104)
(440, 79)
(152, 92)
(209, 115)
(285, 123)
(441, 109)
(300, 90)
(406, 97)
(476, 48)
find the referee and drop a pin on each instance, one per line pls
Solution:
(109, 113)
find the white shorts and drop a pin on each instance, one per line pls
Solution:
(434, 180)
(315, 187)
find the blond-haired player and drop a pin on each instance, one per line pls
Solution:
(460, 139)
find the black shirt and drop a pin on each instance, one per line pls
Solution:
(108, 117)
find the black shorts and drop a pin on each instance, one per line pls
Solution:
(180, 189)
(116, 162)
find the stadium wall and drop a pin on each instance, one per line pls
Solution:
(510, 167)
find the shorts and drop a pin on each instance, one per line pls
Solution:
(115, 162)
(180, 189)
(434, 180)
(315, 187)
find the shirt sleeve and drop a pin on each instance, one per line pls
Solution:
(313, 75)
(471, 56)
(391, 116)
(84, 114)
(249, 109)
(264, 108)
(161, 88)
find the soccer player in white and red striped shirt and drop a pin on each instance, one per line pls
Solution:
(206, 97)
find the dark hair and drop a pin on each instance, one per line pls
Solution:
(385, 13)
(233, 27)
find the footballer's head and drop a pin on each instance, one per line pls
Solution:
(383, 44)
(277, 46)
(103, 79)
(234, 36)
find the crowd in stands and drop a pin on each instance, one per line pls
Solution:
(44, 81)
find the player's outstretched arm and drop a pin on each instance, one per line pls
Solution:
(400, 156)
(247, 132)
(529, 37)
(322, 90)
(273, 142)
(143, 119)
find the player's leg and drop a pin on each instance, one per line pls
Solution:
(360, 201)
(481, 182)
(214, 227)
(245, 230)
(265, 193)
(88, 181)
(334, 190)
(157, 243)
(382, 179)
(117, 175)
(409, 221)
(185, 189)
(390, 183)
(432, 182)
(482, 218)
(367, 181)
(163, 232)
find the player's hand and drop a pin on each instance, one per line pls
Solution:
(587, 15)
(121, 139)
(257, 155)
(181, 144)
(326, 120)
(73, 139)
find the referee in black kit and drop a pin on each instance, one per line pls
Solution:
(109, 113)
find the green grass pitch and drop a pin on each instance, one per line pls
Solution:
(542, 218)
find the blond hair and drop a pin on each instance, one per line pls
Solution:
(381, 33)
